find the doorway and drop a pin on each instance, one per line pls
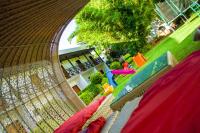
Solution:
(76, 89)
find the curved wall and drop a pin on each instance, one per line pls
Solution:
(35, 96)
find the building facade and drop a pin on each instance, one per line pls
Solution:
(78, 64)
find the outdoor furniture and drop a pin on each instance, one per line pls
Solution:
(117, 120)
(171, 105)
(139, 60)
(124, 115)
(144, 79)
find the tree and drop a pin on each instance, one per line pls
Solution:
(103, 23)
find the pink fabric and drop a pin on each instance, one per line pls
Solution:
(74, 124)
(96, 126)
(129, 71)
(172, 104)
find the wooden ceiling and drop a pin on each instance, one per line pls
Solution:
(29, 34)
(28, 27)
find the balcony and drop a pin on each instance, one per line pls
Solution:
(74, 70)
(98, 60)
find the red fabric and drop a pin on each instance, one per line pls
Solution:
(172, 104)
(75, 123)
(96, 126)
(125, 65)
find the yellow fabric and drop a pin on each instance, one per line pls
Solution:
(107, 89)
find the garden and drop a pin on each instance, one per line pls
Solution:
(93, 89)
(180, 44)
(120, 30)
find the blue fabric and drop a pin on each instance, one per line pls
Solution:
(110, 77)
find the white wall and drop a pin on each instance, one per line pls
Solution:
(82, 80)
(82, 83)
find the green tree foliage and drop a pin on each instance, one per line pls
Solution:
(115, 65)
(126, 56)
(90, 92)
(96, 78)
(104, 23)
(129, 60)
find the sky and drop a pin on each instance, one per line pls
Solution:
(64, 43)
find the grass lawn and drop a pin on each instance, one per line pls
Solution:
(180, 44)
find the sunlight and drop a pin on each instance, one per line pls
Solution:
(64, 43)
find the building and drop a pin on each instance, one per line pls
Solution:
(78, 63)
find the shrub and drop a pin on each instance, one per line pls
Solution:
(146, 48)
(96, 78)
(104, 80)
(134, 65)
(104, 75)
(126, 56)
(92, 88)
(90, 92)
(115, 65)
(87, 97)
(129, 60)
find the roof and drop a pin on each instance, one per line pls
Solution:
(70, 50)
(75, 53)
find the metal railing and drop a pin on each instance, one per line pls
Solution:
(72, 71)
